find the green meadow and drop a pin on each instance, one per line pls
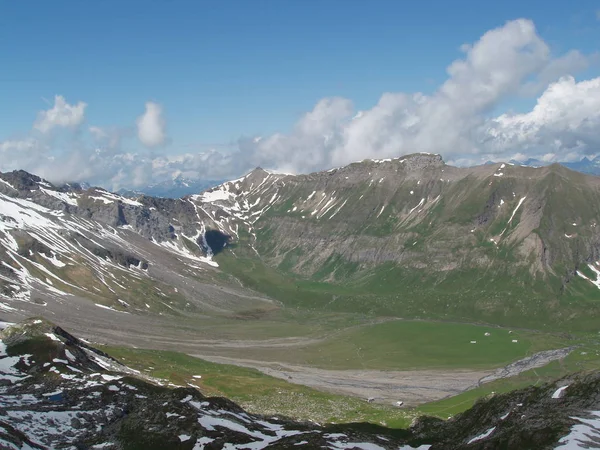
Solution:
(411, 344)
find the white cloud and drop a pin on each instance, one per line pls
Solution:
(457, 120)
(98, 132)
(151, 126)
(18, 146)
(519, 157)
(571, 62)
(21, 153)
(566, 118)
(454, 121)
(60, 115)
(302, 149)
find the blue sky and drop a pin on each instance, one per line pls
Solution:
(223, 70)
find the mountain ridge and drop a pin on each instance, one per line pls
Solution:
(398, 230)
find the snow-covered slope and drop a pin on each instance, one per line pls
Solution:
(131, 255)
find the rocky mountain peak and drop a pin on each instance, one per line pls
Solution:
(258, 171)
(20, 180)
(422, 161)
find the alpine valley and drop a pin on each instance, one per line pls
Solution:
(372, 293)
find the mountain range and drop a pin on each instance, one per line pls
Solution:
(370, 243)
(176, 187)
(409, 237)
(179, 186)
(585, 165)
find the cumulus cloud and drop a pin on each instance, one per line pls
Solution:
(18, 146)
(61, 115)
(455, 121)
(565, 119)
(458, 120)
(151, 126)
(572, 62)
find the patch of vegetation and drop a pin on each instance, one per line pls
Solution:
(412, 345)
(502, 294)
(583, 359)
(256, 392)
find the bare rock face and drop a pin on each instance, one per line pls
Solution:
(21, 181)
(422, 161)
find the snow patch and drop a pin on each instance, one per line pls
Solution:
(110, 309)
(584, 434)
(52, 336)
(559, 392)
(482, 436)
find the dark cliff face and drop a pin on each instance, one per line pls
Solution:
(57, 391)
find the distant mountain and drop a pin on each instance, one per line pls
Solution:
(585, 165)
(175, 188)
(531, 162)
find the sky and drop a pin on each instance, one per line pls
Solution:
(126, 94)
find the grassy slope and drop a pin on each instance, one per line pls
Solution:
(257, 392)
(501, 290)
(584, 358)
(494, 296)
(263, 394)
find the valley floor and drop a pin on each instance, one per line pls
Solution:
(411, 387)
(388, 360)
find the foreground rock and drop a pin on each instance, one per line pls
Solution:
(58, 392)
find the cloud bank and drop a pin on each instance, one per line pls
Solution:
(459, 120)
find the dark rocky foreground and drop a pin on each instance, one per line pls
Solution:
(58, 392)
